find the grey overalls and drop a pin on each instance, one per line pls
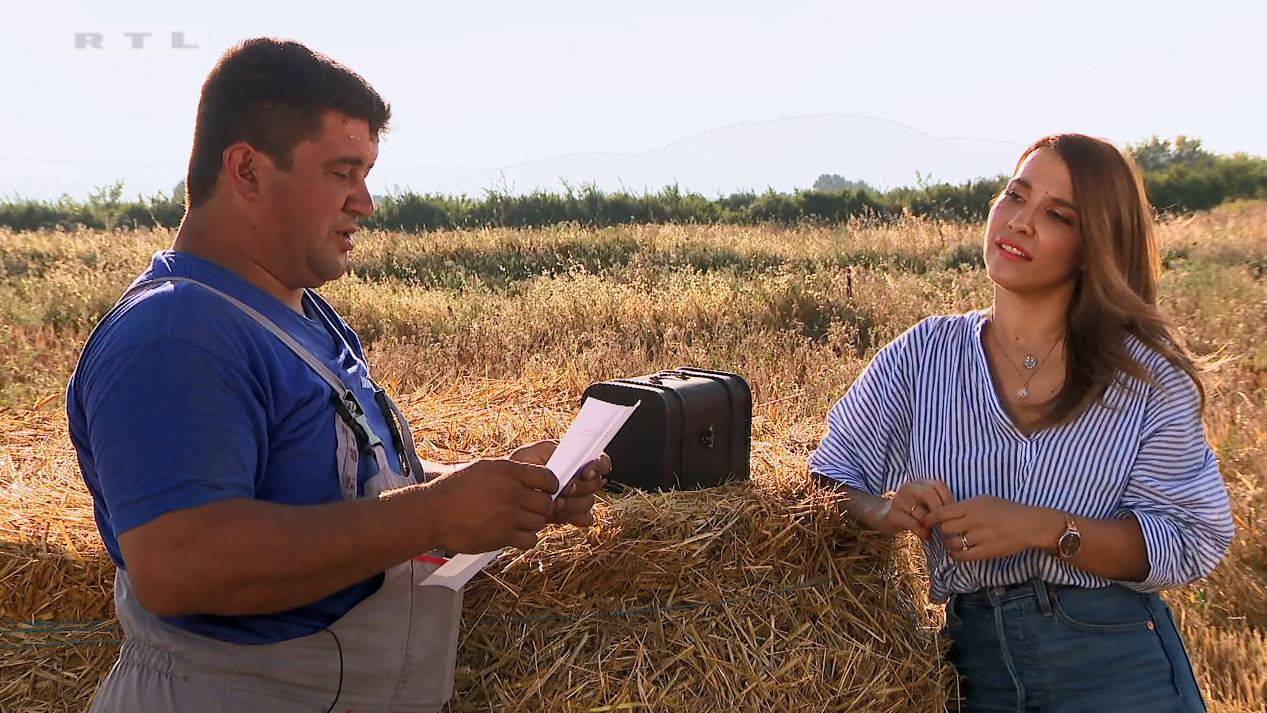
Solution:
(394, 651)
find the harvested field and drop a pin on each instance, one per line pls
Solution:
(753, 597)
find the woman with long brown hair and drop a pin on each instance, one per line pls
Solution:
(1049, 450)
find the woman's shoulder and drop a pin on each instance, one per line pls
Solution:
(1170, 384)
(925, 342)
(943, 331)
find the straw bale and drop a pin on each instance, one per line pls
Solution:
(747, 597)
(57, 634)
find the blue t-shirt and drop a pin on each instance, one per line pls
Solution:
(181, 400)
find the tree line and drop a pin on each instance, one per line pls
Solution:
(1181, 176)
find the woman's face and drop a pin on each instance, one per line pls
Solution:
(1032, 241)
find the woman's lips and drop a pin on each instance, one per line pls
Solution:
(1012, 251)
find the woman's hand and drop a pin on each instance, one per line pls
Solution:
(986, 527)
(914, 500)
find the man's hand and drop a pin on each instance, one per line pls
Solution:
(914, 500)
(489, 504)
(535, 453)
(575, 504)
(992, 527)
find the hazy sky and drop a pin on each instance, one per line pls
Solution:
(764, 94)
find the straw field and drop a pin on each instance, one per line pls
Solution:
(749, 597)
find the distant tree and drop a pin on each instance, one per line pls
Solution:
(105, 204)
(1189, 152)
(831, 183)
(1157, 154)
(1151, 155)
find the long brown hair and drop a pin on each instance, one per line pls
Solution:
(1116, 292)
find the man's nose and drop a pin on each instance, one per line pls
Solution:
(360, 203)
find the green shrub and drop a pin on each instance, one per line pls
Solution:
(1181, 176)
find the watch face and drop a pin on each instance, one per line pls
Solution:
(1070, 544)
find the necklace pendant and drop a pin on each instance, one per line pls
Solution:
(1031, 362)
(1023, 392)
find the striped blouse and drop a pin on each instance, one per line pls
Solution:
(926, 408)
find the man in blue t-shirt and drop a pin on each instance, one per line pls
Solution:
(214, 451)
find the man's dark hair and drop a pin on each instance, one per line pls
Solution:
(271, 94)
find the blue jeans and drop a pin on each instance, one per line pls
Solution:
(1040, 647)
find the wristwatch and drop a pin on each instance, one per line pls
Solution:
(1070, 542)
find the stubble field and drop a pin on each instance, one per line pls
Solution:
(490, 337)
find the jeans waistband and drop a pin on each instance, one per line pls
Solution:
(993, 596)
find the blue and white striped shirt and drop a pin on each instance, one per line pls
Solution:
(926, 408)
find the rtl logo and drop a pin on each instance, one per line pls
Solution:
(138, 42)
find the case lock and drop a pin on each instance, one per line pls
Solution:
(708, 436)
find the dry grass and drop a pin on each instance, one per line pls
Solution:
(678, 601)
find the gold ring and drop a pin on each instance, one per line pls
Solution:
(966, 545)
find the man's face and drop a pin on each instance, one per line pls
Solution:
(310, 212)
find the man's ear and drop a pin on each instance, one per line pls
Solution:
(241, 169)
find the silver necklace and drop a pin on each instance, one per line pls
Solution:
(1031, 363)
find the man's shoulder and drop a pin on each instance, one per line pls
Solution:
(180, 312)
(174, 337)
(170, 320)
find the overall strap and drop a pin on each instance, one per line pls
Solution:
(345, 399)
(411, 453)
(397, 425)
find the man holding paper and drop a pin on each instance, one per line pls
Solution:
(272, 525)
(589, 434)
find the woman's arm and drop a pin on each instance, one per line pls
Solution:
(869, 427)
(868, 430)
(994, 528)
(1113, 549)
(891, 515)
(859, 505)
(1176, 493)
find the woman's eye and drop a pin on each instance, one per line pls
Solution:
(1012, 194)
(1058, 216)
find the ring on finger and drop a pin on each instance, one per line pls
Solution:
(966, 545)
